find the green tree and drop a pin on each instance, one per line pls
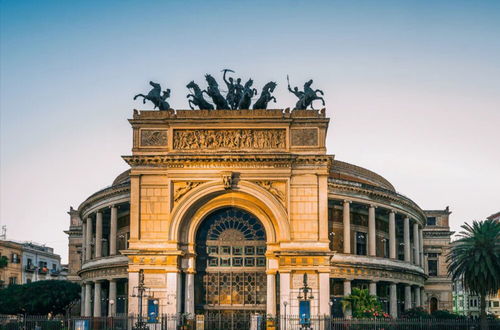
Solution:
(475, 260)
(363, 304)
(39, 298)
(4, 261)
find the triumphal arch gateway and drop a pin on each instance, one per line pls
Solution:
(229, 208)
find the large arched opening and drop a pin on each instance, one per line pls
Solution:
(230, 267)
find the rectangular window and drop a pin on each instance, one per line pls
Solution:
(433, 267)
(225, 262)
(360, 244)
(237, 261)
(225, 250)
(15, 258)
(12, 280)
(261, 262)
(213, 262)
(431, 221)
(212, 250)
(249, 262)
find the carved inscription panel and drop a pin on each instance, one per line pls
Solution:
(305, 137)
(155, 280)
(298, 281)
(153, 138)
(210, 139)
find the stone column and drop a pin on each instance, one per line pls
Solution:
(407, 296)
(393, 300)
(372, 232)
(392, 235)
(324, 294)
(421, 238)
(88, 242)
(88, 295)
(416, 292)
(285, 291)
(84, 241)
(422, 296)
(416, 239)
(98, 234)
(189, 303)
(112, 230)
(406, 232)
(173, 294)
(347, 291)
(373, 288)
(82, 300)
(347, 226)
(112, 297)
(97, 299)
(426, 265)
(271, 294)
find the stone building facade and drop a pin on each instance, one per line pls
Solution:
(12, 272)
(437, 238)
(223, 212)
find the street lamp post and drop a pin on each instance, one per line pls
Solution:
(305, 296)
(285, 303)
(142, 292)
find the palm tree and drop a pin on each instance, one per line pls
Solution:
(362, 303)
(475, 260)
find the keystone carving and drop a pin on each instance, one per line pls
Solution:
(227, 180)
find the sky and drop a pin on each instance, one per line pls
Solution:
(412, 89)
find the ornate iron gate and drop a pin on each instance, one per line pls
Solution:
(231, 264)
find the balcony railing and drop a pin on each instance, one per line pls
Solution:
(29, 268)
(55, 272)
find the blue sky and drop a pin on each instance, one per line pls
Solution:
(412, 89)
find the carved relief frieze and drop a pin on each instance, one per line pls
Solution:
(276, 188)
(153, 137)
(183, 187)
(305, 137)
(346, 272)
(210, 139)
(105, 272)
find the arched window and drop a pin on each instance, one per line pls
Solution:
(231, 262)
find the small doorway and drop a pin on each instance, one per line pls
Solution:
(434, 305)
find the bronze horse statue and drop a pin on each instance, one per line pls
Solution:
(213, 91)
(156, 97)
(248, 93)
(198, 99)
(307, 96)
(265, 96)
